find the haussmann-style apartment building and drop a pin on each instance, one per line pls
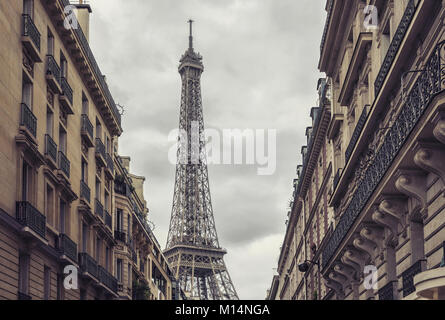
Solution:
(368, 216)
(66, 198)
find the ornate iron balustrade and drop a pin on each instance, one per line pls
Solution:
(122, 188)
(408, 278)
(30, 30)
(66, 89)
(108, 220)
(30, 217)
(50, 148)
(429, 83)
(53, 68)
(110, 164)
(64, 164)
(28, 119)
(337, 178)
(107, 279)
(100, 147)
(120, 236)
(67, 247)
(92, 61)
(326, 26)
(85, 191)
(387, 292)
(99, 209)
(395, 45)
(87, 126)
(356, 134)
(88, 264)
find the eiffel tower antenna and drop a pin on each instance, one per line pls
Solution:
(193, 249)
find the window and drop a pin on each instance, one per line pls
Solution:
(49, 122)
(50, 43)
(62, 140)
(98, 129)
(63, 66)
(84, 237)
(60, 291)
(62, 223)
(98, 248)
(107, 258)
(84, 171)
(107, 199)
(119, 216)
(49, 205)
(108, 145)
(129, 275)
(24, 262)
(85, 104)
(27, 91)
(26, 181)
(28, 8)
(385, 41)
(98, 190)
(119, 270)
(128, 225)
(46, 283)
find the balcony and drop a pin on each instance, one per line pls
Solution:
(408, 277)
(64, 165)
(31, 218)
(428, 85)
(337, 178)
(88, 266)
(67, 248)
(86, 131)
(53, 74)
(109, 169)
(356, 134)
(50, 150)
(107, 279)
(120, 236)
(85, 193)
(28, 121)
(108, 220)
(122, 188)
(66, 97)
(31, 38)
(99, 209)
(100, 153)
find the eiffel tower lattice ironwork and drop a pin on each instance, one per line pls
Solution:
(193, 249)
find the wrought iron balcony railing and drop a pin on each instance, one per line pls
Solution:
(28, 119)
(122, 188)
(107, 279)
(92, 61)
(88, 264)
(429, 83)
(99, 209)
(108, 219)
(408, 278)
(85, 191)
(64, 164)
(66, 89)
(87, 127)
(356, 134)
(337, 178)
(52, 68)
(30, 217)
(395, 45)
(67, 247)
(50, 148)
(30, 30)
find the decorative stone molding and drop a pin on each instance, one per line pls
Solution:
(357, 256)
(412, 183)
(336, 282)
(390, 225)
(365, 245)
(431, 158)
(347, 272)
(439, 126)
(393, 212)
(374, 234)
(352, 266)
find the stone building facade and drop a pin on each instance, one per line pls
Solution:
(386, 132)
(61, 201)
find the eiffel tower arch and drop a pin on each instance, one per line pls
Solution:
(193, 249)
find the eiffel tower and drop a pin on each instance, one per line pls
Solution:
(193, 249)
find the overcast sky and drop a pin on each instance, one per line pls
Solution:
(260, 59)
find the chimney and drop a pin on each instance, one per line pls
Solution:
(83, 17)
